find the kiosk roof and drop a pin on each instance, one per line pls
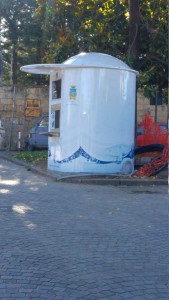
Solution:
(82, 60)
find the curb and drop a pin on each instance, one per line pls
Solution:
(116, 181)
(88, 179)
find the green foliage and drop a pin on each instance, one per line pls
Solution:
(78, 25)
(154, 50)
(49, 31)
(20, 36)
(31, 156)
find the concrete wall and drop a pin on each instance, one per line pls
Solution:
(13, 119)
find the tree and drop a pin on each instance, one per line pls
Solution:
(151, 45)
(78, 25)
(19, 33)
(153, 64)
(50, 31)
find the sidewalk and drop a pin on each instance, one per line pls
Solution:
(107, 179)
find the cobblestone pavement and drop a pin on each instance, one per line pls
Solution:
(80, 242)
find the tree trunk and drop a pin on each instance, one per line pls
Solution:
(134, 33)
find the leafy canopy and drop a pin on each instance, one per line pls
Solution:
(48, 31)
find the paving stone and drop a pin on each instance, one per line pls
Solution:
(77, 241)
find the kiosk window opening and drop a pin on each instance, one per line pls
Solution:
(56, 89)
(57, 119)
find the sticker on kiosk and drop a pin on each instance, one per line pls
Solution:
(72, 93)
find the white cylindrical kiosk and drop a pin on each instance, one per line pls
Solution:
(91, 114)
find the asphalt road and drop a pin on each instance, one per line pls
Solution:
(81, 242)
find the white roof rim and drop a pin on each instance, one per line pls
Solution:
(48, 69)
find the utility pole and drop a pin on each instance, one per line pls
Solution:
(134, 42)
(11, 67)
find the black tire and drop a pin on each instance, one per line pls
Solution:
(145, 149)
(149, 148)
(29, 147)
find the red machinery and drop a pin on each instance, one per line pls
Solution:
(153, 134)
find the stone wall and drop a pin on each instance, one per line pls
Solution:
(143, 106)
(13, 112)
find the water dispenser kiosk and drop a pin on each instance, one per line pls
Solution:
(91, 114)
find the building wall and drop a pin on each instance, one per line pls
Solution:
(14, 116)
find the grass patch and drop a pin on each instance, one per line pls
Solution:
(31, 156)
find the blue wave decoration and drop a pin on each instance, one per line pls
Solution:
(130, 154)
(82, 152)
